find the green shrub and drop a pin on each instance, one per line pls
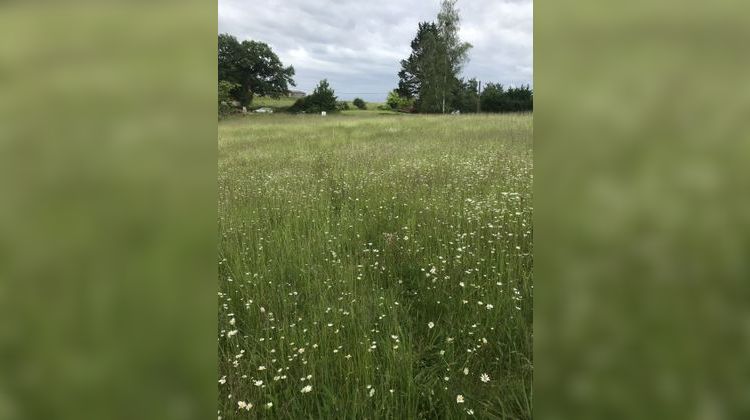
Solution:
(299, 106)
(322, 99)
(359, 103)
(397, 102)
(225, 97)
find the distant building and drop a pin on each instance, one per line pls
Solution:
(297, 94)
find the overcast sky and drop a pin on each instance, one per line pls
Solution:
(357, 44)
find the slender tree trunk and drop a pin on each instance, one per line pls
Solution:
(479, 97)
(445, 81)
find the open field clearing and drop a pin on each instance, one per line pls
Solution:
(375, 267)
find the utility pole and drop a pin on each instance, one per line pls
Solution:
(479, 97)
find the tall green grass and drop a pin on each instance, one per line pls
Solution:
(385, 263)
(280, 104)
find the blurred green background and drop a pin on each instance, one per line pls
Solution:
(642, 239)
(108, 210)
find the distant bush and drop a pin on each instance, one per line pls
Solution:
(225, 97)
(322, 99)
(342, 106)
(359, 103)
(399, 103)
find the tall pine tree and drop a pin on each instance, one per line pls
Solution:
(411, 74)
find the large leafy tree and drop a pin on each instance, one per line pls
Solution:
(430, 73)
(254, 67)
(433, 82)
(455, 52)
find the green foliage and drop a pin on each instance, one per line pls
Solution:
(254, 67)
(448, 27)
(348, 236)
(411, 74)
(465, 97)
(342, 106)
(495, 99)
(225, 97)
(359, 103)
(298, 106)
(322, 99)
(398, 102)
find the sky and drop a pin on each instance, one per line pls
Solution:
(358, 44)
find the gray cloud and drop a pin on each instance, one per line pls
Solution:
(357, 44)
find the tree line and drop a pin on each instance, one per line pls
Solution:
(429, 80)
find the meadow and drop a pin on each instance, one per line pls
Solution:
(375, 267)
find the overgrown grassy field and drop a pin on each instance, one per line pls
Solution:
(376, 267)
